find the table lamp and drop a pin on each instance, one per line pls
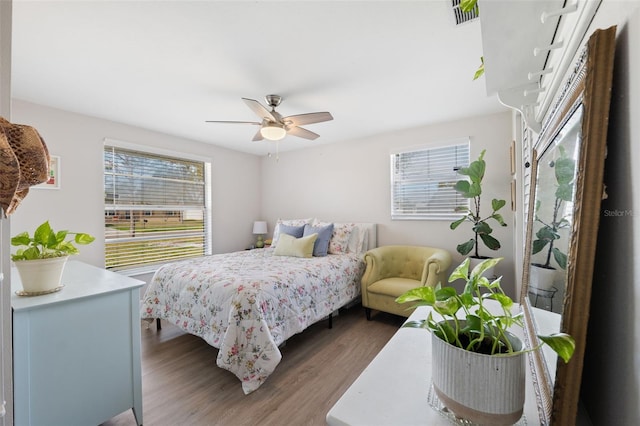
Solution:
(260, 229)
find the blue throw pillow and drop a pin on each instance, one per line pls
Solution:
(321, 246)
(294, 231)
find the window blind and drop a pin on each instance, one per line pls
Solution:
(423, 182)
(155, 208)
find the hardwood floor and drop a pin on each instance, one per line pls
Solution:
(182, 385)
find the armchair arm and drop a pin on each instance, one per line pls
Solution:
(435, 268)
(372, 273)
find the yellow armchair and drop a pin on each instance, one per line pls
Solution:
(393, 270)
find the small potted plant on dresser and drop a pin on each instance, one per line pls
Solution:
(478, 365)
(40, 260)
(472, 189)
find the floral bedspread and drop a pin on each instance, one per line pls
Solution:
(247, 303)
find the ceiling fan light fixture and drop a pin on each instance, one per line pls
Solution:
(273, 131)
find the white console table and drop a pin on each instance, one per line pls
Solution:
(394, 388)
(77, 351)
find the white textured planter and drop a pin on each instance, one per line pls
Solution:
(484, 389)
(41, 275)
(541, 278)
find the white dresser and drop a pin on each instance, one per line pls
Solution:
(77, 351)
(394, 389)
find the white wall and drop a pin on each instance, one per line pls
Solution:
(611, 378)
(351, 182)
(79, 204)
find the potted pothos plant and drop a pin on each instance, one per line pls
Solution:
(548, 234)
(40, 259)
(471, 188)
(473, 352)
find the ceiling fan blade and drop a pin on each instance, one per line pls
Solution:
(260, 110)
(309, 118)
(257, 136)
(302, 133)
(233, 122)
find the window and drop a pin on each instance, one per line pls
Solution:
(423, 181)
(155, 209)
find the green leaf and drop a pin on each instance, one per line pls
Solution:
(31, 253)
(482, 227)
(564, 191)
(561, 343)
(483, 266)
(457, 223)
(22, 239)
(461, 271)
(44, 235)
(82, 238)
(564, 170)
(480, 71)
(538, 245)
(547, 233)
(447, 307)
(490, 242)
(468, 5)
(444, 293)
(476, 169)
(504, 300)
(473, 323)
(467, 189)
(497, 204)
(499, 219)
(560, 257)
(465, 248)
(426, 294)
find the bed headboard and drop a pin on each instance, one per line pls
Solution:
(372, 230)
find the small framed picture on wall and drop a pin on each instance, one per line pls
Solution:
(54, 174)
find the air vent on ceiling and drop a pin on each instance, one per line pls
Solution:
(462, 17)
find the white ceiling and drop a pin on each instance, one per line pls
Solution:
(377, 66)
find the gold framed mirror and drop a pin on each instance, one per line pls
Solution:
(562, 222)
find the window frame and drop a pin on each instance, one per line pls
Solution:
(207, 214)
(461, 202)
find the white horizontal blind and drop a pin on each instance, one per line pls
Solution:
(155, 208)
(423, 181)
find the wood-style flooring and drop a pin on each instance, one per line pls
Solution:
(182, 386)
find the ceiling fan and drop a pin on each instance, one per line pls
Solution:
(274, 126)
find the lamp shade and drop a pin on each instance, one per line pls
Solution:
(273, 131)
(259, 227)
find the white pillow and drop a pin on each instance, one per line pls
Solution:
(290, 222)
(296, 247)
(340, 239)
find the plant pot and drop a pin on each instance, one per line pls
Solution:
(541, 277)
(483, 389)
(41, 275)
(474, 261)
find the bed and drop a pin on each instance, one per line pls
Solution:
(247, 303)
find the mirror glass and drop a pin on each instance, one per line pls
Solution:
(553, 216)
(562, 223)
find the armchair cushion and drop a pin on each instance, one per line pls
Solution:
(393, 270)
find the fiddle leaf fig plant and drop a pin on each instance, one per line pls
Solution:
(547, 236)
(483, 330)
(46, 243)
(472, 189)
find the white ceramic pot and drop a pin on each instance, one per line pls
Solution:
(484, 389)
(41, 275)
(541, 278)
